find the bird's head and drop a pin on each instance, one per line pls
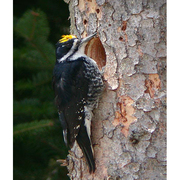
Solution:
(69, 45)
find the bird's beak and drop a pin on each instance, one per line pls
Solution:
(86, 39)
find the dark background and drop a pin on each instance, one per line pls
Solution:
(37, 135)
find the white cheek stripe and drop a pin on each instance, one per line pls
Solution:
(69, 53)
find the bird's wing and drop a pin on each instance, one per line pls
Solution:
(71, 89)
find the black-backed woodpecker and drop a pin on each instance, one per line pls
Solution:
(77, 83)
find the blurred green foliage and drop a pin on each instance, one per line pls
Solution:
(37, 142)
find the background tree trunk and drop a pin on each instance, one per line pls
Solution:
(129, 126)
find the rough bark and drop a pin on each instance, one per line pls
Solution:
(129, 126)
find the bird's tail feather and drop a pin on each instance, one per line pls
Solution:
(85, 145)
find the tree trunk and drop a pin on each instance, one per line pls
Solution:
(129, 125)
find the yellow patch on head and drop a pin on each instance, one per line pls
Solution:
(65, 38)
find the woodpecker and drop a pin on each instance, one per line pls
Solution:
(78, 84)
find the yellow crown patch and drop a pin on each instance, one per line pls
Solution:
(65, 38)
